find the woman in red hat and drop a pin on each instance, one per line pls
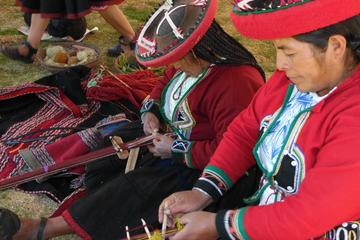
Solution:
(210, 79)
(302, 129)
(44, 10)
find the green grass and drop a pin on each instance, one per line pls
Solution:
(14, 73)
(9, 31)
(138, 14)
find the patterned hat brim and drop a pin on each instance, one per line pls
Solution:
(153, 57)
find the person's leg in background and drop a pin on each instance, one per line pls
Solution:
(26, 51)
(41, 229)
(116, 18)
(37, 29)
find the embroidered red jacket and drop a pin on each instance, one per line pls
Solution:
(211, 105)
(325, 180)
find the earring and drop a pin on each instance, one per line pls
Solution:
(195, 57)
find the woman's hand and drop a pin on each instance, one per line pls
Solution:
(198, 226)
(151, 123)
(161, 146)
(180, 203)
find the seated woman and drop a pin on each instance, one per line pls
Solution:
(212, 78)
(307, 117)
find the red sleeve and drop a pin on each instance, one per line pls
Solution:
(232, 94)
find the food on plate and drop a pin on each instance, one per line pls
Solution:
(68, 56)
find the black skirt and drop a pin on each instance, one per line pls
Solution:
(116, 200)
(70, 9)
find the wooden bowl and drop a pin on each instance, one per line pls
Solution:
(68, 46)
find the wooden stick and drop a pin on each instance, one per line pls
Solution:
(132, 159)
(164, 223)
(56, 168)
(73, 162)
(115, 145)
(145, 140)
(127, 233)
(143, 236)
(115, 141)
(114, 76)
(146, 229)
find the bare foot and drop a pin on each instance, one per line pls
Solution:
(29, 230)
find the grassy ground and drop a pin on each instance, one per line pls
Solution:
(13, 73)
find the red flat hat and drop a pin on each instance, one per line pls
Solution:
(272, 19)
(173, 30)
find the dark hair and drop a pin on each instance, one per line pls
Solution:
(349, 28)
(218, 47)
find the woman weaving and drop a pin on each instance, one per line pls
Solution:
(302, 129)
(212, 78)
